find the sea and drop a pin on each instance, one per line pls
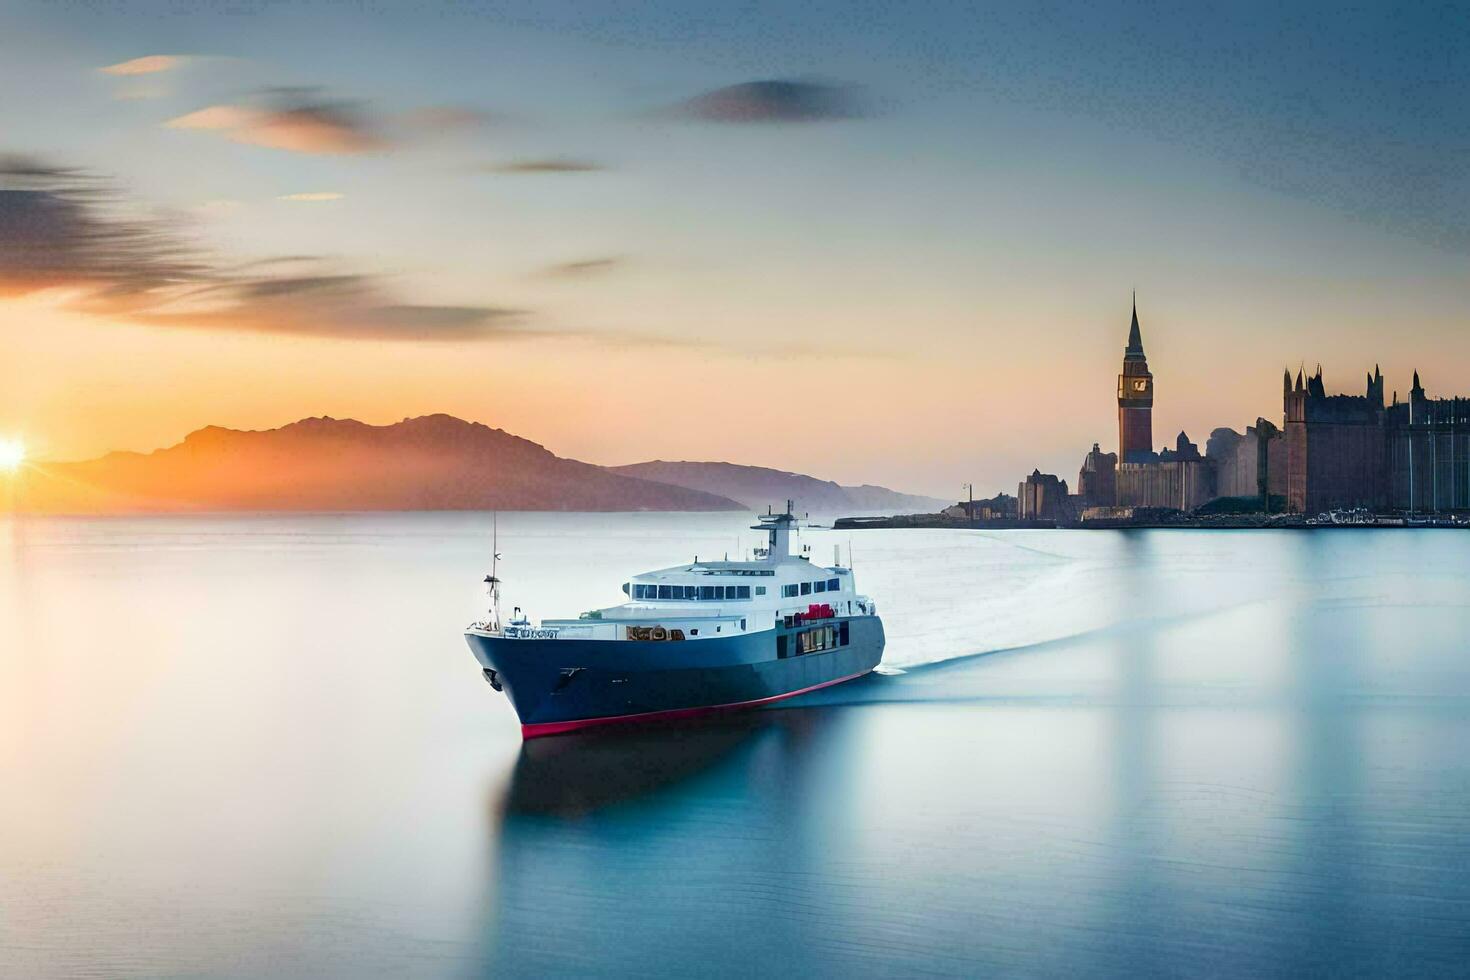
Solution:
(257, 746)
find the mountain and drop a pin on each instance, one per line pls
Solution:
(436, 462)
(757, 486)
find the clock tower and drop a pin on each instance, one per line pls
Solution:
(1135, 400)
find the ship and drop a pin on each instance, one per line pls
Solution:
(691, 640)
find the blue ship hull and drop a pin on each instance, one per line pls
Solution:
(563, 685)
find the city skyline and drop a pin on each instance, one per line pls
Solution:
(632, 237)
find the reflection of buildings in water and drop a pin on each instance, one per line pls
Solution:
(1136, 843)
(615, 849)
(1327, 850)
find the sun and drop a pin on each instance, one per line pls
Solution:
(12, 454)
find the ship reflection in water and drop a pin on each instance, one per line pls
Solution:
(1105, 753)
(685, 849)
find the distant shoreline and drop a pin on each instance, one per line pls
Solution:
(1223, 522)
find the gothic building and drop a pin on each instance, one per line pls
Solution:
(1355, 451)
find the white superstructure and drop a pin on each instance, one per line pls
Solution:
(709, 599)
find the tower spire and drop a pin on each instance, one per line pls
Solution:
(1135, 336)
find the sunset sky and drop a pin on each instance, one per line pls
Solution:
(875, 242)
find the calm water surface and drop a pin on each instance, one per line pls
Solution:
(258, 746)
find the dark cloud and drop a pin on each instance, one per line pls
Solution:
(776, 101)
(68, 229)
(546, 165)
(61, 227)
(329, 305)
(582, 267)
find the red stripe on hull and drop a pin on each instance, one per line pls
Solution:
(673, 714)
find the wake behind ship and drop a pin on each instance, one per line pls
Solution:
(692, 639)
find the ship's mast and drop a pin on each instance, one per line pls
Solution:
(492, 581)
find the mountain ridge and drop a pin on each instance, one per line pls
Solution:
(757, 486)
(430, 462)
(427, 462)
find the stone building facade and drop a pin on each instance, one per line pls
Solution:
(1428, 453)
(1249, 465)
(1097, 481)
(1180, 478)
(1042, 497)
(1346, 451)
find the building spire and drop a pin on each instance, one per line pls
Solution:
(1135, 336)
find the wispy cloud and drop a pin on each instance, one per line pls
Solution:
(64, 228)
(302, 120)
(776, 101)
(582, 268)
(328, 305)
(313, 196)
(146, 65)
(292, 119)
(544, 165)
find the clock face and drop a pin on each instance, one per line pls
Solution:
(1140, 384)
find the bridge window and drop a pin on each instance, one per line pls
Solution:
(665, 592)
(788, 591)
(760, 590)
(833, 585)
(708, 591)
(744, 592)
(806, 588)
(819, 586)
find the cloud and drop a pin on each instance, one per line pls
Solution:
(292, 119)
(63, 228)
(341, 305)
(213, 117)
(776, 101)
(147, 65)
(300, 120)
(546, 165)
(313, 196)
(582, 268)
